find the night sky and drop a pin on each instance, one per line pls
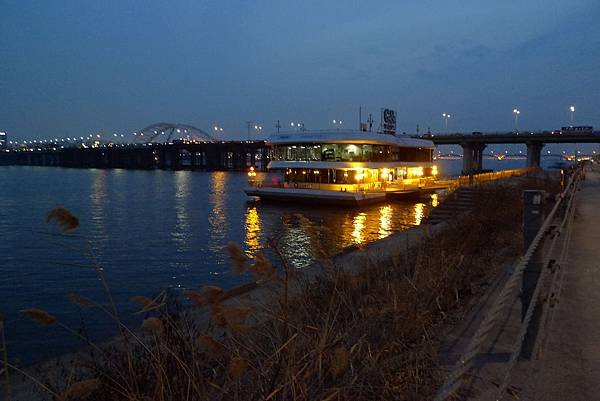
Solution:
(114, 66)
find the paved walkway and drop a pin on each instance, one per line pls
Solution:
(569, 366)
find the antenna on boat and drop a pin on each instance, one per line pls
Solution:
(363, 127)
(360, 118)
(370, 121)
(278, 126)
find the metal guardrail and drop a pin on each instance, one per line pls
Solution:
(455, 378)
(476, 179)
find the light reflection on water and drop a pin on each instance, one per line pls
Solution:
(218, 195)
(385, 221)
(419, 213)
(358, 224)
(98, 201)
(180, 234)
(296, 240)
(253, 231)
(306, 232)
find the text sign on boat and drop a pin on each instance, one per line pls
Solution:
(389, 121)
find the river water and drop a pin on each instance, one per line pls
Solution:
(152, 230)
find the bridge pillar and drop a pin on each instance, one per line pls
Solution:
(534, 153)
(467, 158)
(472, 157)
(478, 156)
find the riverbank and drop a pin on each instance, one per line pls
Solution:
(363, 333)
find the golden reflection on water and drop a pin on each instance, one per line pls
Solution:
(385, 221)
(419, 213)
(307, 233)
(435, 201)
(253, 230)
(359, 225)
(217, 218)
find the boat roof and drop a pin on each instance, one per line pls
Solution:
(345, 136)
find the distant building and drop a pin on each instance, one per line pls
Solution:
(2, 140)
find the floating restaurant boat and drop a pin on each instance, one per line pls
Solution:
(345, 167)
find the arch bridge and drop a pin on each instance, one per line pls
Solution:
(169, 132)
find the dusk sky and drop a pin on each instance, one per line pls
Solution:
(81, 67)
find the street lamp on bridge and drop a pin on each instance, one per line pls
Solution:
(572, 110)
(217, 129)
(258, 130)
(516, 112)
(446, 116)
(299, 125)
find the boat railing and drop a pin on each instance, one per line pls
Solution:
(377, 186)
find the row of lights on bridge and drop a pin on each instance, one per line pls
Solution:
(516, 113)
(258, 128)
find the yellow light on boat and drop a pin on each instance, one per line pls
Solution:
(418, 171)
(251, 173)
(359, 176)
(385, 172)
(316, 171)
(434, 170)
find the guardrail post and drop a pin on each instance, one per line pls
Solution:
(533, 218)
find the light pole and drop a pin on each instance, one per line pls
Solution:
(446, 116)
(572, 110)
(516, 112)
(217, 129)
(258, 128)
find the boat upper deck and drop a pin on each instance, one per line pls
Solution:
(347, 137)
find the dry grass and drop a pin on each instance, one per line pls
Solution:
(370, 335)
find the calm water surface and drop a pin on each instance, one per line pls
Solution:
(151, 230)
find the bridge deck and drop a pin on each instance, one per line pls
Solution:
(514, 137)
